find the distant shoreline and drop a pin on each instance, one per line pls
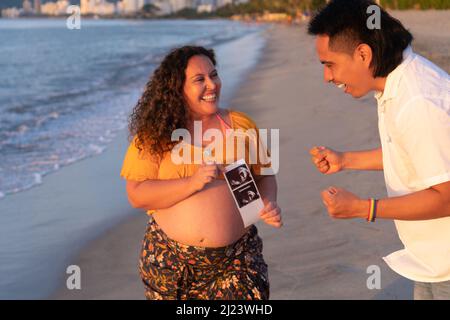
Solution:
(267, 17)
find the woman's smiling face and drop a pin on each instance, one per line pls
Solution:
(201, 87)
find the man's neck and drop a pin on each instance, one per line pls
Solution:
(379, 84)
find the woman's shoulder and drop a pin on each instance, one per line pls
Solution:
(241, 120)
(140, 150)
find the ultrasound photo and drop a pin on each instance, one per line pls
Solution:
(246, 194)
(245, 191)
(239, 176)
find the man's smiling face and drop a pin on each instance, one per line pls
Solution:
(348, 70)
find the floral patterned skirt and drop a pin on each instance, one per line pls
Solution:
(171, 270)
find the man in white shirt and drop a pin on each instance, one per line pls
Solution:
(414, 126)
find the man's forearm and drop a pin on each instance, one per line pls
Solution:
(421, 205)
(363, 160)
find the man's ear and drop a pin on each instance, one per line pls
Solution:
(363, 53)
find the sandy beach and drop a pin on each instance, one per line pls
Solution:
(311, 256)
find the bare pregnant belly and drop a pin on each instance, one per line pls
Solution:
(208, 218)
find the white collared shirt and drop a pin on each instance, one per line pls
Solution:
(414, 126)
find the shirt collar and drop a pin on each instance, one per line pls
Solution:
(394, 77)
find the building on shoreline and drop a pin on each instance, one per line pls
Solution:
(37, 6)
(55, 8)
(27, 8)
(11, 13)
(97, 7)
(127, 8)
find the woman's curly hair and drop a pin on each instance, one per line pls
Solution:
(162, 107)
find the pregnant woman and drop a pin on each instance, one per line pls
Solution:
(195, 245)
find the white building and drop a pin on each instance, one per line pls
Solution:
(105, 8)
(86, 6)
(128, 6)
(98, 7)
(37, 6)
(210, 5)
(131, 6)
(61, 6)
(58, 8)
(49, 9)
(27, 8)
(10, 13)
(205, 8)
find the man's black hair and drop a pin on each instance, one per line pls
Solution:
(345, 22)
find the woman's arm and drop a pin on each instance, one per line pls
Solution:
(158, 194)
(267, 186)
(271, 213)
(162, 194)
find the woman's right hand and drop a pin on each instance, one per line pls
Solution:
(327, 160)
(205, 174)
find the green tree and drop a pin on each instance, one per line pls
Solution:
(150, 9)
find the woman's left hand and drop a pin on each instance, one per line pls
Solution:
(271, 214)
